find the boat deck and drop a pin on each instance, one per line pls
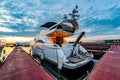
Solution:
(108, 67)
(20, 66)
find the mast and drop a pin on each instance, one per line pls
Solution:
(75, 14)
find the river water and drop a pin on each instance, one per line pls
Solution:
(65, 74)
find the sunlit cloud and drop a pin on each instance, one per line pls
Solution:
(5, 29)
(94, 38)
(14, 39)
(102, 37)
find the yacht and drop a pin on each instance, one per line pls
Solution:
(50, 44)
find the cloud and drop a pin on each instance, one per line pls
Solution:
(30, 22)
(5, 17)
(103, 21)
(2, 3)
(95, 38)
(30, 30)
(88, 30)
(118, 28)
(4, 29)
(15, 39)
(102, 37)
(96, 18)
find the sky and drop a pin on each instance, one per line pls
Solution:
(22, 18)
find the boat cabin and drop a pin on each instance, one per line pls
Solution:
(58, 31)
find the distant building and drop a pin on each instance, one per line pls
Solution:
(2, 42)
(112, 41)
(26, 44)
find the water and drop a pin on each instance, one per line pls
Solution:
(65, 74)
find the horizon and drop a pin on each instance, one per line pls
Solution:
(14, 39)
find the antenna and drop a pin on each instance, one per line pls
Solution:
(76, 6)
(64, 16)
(75, 15)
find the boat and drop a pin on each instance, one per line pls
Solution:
(49, 44)
(25, 44)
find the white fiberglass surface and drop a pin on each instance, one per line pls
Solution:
(67, 48)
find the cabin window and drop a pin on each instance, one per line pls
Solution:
(57, 40)
(40, 41)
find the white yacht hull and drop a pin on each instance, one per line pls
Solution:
(60, 57)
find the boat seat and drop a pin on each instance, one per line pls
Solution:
(75, 59)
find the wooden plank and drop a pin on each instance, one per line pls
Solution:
(108, 67)
(20, 66)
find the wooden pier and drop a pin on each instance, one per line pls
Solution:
(108, 68)
(98, 49)
(20, 66)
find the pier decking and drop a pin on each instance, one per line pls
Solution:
(98, 49)
(20, 66)
(108, 67)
